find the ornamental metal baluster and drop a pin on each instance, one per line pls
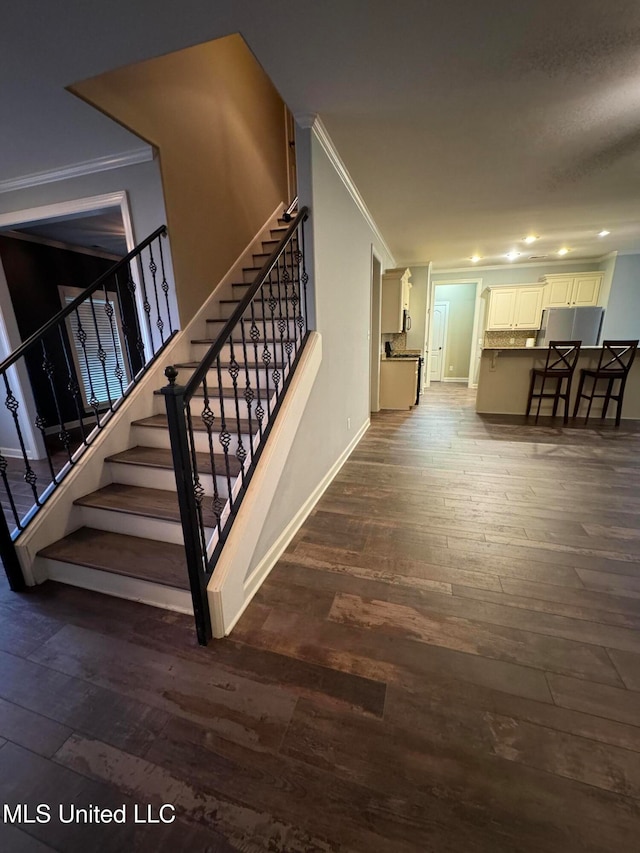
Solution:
(283, 324)
(124, 327)
(5, 480)
(30, 477)
(82, 338)
(303, 325)
(165, 284)
(248, 395)
(109, 310)
(225, 435)
(49, 371)
(73, 388)
(131, 286)
(208, 419)
(101, 353)
(153, 269)
(198, 490)
(290, 323)
(40, 423)
(146, 305)
(266, 355)
(254, 334)
(234, 372)
(273, 304)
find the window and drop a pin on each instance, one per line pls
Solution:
(98, 347)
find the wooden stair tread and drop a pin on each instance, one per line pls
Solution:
(139, 500)
(132, 556)
(261, 341)
(160, 457)
(160, 422)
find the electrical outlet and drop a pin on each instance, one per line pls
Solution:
(512, 340)
(348, 423)
(450, 368)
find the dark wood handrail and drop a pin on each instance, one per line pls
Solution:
(216, 348)
(71, 307)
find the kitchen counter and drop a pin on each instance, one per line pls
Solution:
(505, 373)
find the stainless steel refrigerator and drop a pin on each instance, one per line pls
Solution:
(570, 324)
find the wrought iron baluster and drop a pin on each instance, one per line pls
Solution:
(198, 490)
(249, 396)
(225, 435)
(93, 400)
(254, 334)
(234, 372)
(304, 278)
(272, 302)
(153, 269)
(208, 419)
(64, 435)
(5, 481)
(131, 287)
(101, 353)
(146, 305)
(30, 477)
(109, 310)
(165, 284)
(266, 355)
(283, 320)
(72, 387)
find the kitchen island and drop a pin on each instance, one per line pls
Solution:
(505, 373)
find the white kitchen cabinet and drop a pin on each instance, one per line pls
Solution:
(398, 383)
(396, 289)
(572, 289)
(515, 308)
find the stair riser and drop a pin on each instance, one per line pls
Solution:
(197, 406)
(275, 349)
(119, 586)
(161, 478)
(260, 311)
(157, 529)
(288, 329)
(249, 273)
(153, 437)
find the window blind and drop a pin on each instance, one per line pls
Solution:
(89, 365)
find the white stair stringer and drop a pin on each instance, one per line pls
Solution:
(228, 590)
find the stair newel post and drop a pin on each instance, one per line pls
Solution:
(175, 403)
(9, 557)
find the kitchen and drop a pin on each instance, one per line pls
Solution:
(513, 303)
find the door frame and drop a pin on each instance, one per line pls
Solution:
(476, 344)
(375, 331)
(444, 305)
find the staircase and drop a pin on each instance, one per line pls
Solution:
(130, 540)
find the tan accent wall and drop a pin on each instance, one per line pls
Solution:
(219, 126)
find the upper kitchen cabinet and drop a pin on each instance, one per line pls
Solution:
(572, 289)
(515, 307)
(395, 299)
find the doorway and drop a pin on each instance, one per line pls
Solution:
(464, 346)
(438, 346)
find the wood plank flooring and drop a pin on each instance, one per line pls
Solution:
(445, 660)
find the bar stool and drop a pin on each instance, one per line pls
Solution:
(562, 357)
(616, 358)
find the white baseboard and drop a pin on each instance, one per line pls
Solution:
(456, 379)
(266, 564)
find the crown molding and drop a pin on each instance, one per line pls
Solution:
(523, 264)
(314, 123)
(88, 167)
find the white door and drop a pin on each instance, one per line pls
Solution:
(438, 339)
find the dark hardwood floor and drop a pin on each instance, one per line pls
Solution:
(446, 659)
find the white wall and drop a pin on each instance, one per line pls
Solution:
(622, 316)
(342, 241)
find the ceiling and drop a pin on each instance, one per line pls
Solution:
(465, 125)
(102, 232)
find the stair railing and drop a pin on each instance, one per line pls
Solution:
(256, 353)
(63, 384)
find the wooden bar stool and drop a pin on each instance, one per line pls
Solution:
(562, 357)
(616, 358)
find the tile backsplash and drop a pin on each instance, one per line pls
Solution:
(505, 338)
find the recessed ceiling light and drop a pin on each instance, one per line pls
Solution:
(563, 251)
(530, 239)
(511, 256)
(604, 233)
(475, 258)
